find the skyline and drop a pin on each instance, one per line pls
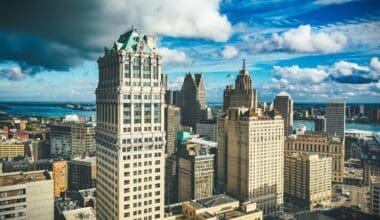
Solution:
(315, 50)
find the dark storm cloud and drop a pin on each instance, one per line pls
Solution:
(353, 79)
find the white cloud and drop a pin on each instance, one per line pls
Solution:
(196, 18)
(174, 57)
(229, 52)
(343, 68)
(13, 73)
(297, 74)
(175, 84)
(304, 40)
(329, 2)
(375, 64)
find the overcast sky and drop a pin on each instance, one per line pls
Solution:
(316, 50)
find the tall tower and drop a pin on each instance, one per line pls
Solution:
(335, 118)
(251, 158)
(284, 104)
(193, 106)
(130, 132)
(242, 95)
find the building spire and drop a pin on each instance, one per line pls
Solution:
(243, 64)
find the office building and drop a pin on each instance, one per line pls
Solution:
(320, 124)
(242, 95)
(28, 195)
(251, 158)
(193, 106)
(307, 180)
(324, 145)
(375, 196)
(195, 172)
(69, 140)
(82, 173)
(11, 148)
(60, 176)
(284, 105)
(208, 129)
(335, 118)
(130, 133)
(221, 207)
(172, 125)
(371, 169)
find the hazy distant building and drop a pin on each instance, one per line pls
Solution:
(335, 118)
(130, 135)
(208, 129)
(28, 195)
(195, 172)
(324, 145)
(11, 148)
(69, 140)
(250, 158)
(307, 180)
(82, 173)
(320, 124)
(375, 196)
(242, 95)
(284, 105)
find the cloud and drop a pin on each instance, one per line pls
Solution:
(175, 84)
(303, 40)
(375, 64)
(297, 74)
(229, 52)
(62, 34)
(174, 57)
(16, 72)
(330, 2)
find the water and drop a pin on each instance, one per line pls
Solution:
(364, 127)
(46, 111)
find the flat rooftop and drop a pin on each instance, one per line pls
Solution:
(23, 177)
(214, 201)
(81, 213)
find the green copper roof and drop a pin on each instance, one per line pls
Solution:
(132, 41)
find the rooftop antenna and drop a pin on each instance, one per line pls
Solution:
(243, 64)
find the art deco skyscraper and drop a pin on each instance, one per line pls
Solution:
(284, 105)
(251, 158)
(130, 132)
(193, 101)
(335, 117)
(242, 95)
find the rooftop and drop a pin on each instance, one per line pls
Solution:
(81, 213)
(215, 201)
(283, 94)
(22, 178)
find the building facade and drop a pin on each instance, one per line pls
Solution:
(335, 118)
(320, 124)
(60, 176)
(11, 148)
(242, 95)
(208, 130)
(195, 172)
(130, 133)
(284, 105)
(375, 196)
(324, 145)
(250, 158)
(172, 125)
(28, 195)
(82, 173)
(307, 180)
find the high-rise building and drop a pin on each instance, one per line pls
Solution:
(172, 125)
(11, 148)
(130, 133)
(82, 173)
(320, 124)
(60, 176)
(307, 180)
(208, 129)
(242, 95)
(193, 106)
(69, 140)
(284, 105)
(28, 195)
(371, 168)
(335, 118)
(375, 196)
(251, 158)
(195, 172)
(324, 145)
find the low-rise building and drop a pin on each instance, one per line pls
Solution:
(28, 195)
(11, 148)
(82, 173)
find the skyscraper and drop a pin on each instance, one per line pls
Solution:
(284, 104)
(320, 124)
(242, 95)
(335, 117)
(130, 132)
(251, 158)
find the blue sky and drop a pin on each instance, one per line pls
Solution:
(317, 50)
